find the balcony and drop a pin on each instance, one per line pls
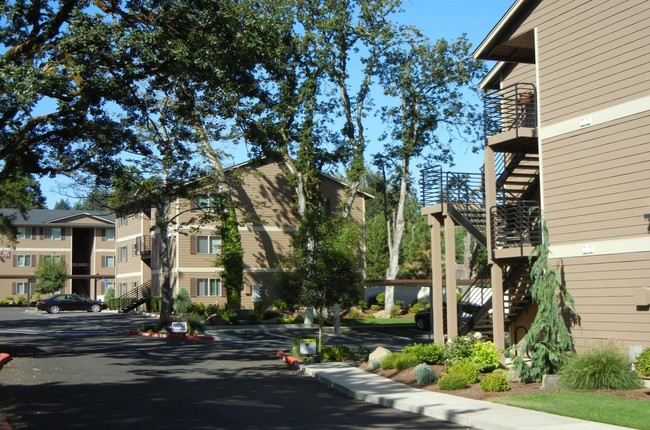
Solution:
(515, 229)
(143, 246)
(511, 118)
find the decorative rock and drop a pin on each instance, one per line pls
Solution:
(378, 354)
(550, 383)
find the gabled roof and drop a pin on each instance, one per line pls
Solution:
(499, 44)
(57, 217)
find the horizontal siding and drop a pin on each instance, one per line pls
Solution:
(596, 181)
(603, 289)
(593, 55)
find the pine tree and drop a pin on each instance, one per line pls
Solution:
(549, 339)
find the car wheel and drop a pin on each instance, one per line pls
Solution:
(54, 309)
(95, 308)
(420, 324)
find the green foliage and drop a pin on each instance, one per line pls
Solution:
(452, 381)
(494, 382)
(467, 369)
(109, 294)
(424, 374)
(292, 319)
(549, 339)
(381, 299)
(459, 348)
(280, 305)
(394, 312)
(155, 303)
(195, 324)
(399, 361)
(337, 353)
(375, 364)
(642, 363)
(182, 301)
(486, 356)
(418, 306)
(603, 366)
(51, 275)
(375, 307)
(354, 313)
(429, 353)
(232, 258)
(377, 246)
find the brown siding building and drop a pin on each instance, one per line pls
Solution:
(567, 137)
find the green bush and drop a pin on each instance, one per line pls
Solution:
(195, 325)
(271, 314)
(337, 353)
(467, 369)
(424, 374)
(417, 307)
(280, 305)
(375, 364)
(375, 307)
(486, 356)
(182, 301)
(109, 294)
(399, 304)
(459, 348)
(394, 312)
(354, 313)
(381, 299)
(452, 381)
(642, 363)
(21, 300)
(399, 361)
(155, 304)
(429, 353)
(494, 382)
(603, 366)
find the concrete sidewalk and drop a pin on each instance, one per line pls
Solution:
(366, 386)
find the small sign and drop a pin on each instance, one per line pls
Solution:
(106, 282)
(5, 254)
(307, 346)
(179, 327)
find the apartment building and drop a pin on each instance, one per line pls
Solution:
(267, 219)
(84, 240)
(567, 110)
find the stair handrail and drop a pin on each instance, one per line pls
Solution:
(142, 291)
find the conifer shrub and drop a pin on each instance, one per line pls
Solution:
(429, 353)
(424, 374)
(642, 363)
(494, 382)
(452, 381)
(603, 366)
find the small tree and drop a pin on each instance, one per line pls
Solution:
(51, 275)
(549, 339)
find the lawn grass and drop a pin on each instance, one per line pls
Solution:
(596, 407)
(349, 322)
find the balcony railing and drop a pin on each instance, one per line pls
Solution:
(450, 187)
(143, 245)
(516, 225)
(510, 109)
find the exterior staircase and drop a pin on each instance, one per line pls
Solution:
(134, 298)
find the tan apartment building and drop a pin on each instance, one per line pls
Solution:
(267, 221)
(84, 240)
(567, 110)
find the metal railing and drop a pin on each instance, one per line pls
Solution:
(451, 187)
(143, 245)
(510, 108)
(134, 298)
(515, 224)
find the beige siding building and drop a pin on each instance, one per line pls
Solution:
(267, 222)
(84, 240)
(567, 136)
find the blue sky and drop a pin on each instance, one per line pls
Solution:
(437, 19)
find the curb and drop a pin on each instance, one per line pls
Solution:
(167, 335)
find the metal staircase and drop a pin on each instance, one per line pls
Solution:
(134, 298)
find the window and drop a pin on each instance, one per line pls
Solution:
(51, 233)
(208, 287)
(109, 234)
(123, 221)
(123, 254)
(207, 204)
(121, 289)
(52, 258)
(208, 244)
(109, 261)
(24, 260)
(24, 232)
(22, 287)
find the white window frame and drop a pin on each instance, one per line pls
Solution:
(58, 258)
(205, 287)
(24, 233)
(24, 260)
(109, 234)
(108, 258)
(52, 233)
(22, 287)
(212, 243)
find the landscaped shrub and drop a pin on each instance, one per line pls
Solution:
(21, 300)
(424, 374)
(354, 313)
(399, 361)
(452, 381)
(417, 307)
(337, 353)
(182, 301)
(486, 356)
(195, 325)
(494, 382)
(459, 348)
(642, 363)
(375, 307)
(381, 298)
(375, 364)
(394, 312)
(603, 366)
(429, 353)
(467, 369)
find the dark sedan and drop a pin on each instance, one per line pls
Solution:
(466, 310)
(69, 302)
